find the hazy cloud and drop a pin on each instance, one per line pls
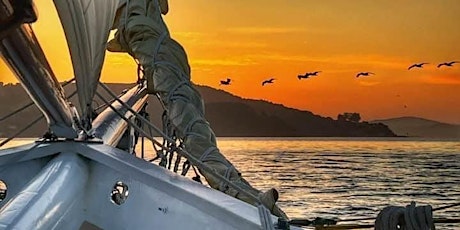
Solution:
(369, 83)
(453, 79)
(363, 60)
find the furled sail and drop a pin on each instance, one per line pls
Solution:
(86, 25)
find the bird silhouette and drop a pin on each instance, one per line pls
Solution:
(364, 74)
(269, 81)
(447, 63)
(226, 82)
(313, 73)
(418, 65)
(306, 76)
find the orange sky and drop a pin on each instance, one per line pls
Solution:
(250, 41)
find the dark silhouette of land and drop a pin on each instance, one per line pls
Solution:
(229, 115)
(419, 127)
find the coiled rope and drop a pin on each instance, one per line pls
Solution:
(390, 218)
(409, 217)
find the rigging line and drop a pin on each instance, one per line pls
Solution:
(4, 142)
(157, 130)
(191, 158)
(142, 145)
(143, 119)
(110, 102)
(131, 123)
(103, 105)
(17, 111)
(158, 152)
(30, 103)
(356, 219)
(446, 207)
(170, 148)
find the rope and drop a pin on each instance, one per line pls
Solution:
(318, 221)
(197, 177)
(166, 157)
(16, 111)
(363, 226)
(411, 217)
(4, 142)
(446, 207)
(190, 157)
(29, 104)
(321, 223)
(31, 124)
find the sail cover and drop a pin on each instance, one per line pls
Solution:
(86, 25)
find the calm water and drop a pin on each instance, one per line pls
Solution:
(350, 178)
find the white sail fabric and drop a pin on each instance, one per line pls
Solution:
(86, 25)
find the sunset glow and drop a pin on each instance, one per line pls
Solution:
(251, 41)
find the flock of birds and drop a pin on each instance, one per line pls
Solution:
(360, 74)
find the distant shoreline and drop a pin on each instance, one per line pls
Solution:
(231, 116)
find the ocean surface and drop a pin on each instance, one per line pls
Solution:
(345, 178)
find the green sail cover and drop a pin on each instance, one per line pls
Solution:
(143, 33)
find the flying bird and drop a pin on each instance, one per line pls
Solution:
(226, 82)
(313, 73)
(269, 81)
(418, 65)
(306, 76)
(447, 63)
(364, 74)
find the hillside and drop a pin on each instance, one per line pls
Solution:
(228, 115)
(419, 127)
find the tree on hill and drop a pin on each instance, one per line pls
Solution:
(351, 117)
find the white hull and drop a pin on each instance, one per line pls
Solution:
(67, 185)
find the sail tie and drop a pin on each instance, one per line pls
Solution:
(207, 152)
(173, 90)
(228, 172)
